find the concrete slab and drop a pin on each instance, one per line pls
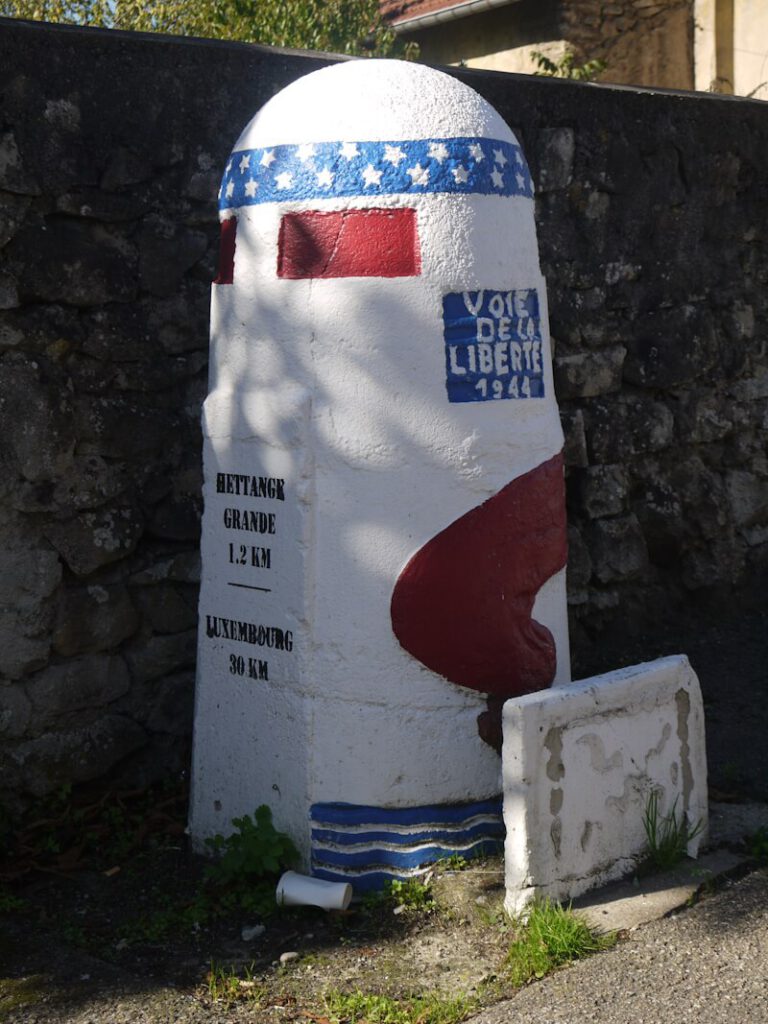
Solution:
(582, 764)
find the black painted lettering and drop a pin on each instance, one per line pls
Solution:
(258, 669)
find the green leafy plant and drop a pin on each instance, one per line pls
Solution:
(453, 863)
(411, 893)
(348, 1008)
(666, 837)
(565, 67)
(552, 935)
(250, 859)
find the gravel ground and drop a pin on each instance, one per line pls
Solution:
(707, 964)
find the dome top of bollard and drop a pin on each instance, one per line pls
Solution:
(374, 127)
(376, 100)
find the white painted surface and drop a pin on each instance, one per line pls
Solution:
(579, 764)
(337, 387)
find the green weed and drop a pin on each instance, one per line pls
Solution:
(565, 67)
(453, 863)
(226, 986)
(10, 904)
(551, 936)
(410, 893)
(349, 1008)
(250, 860)
(667, 838)
(757, 845)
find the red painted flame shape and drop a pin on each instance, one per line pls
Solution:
(462, 606)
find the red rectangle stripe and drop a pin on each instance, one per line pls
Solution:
(349, 243)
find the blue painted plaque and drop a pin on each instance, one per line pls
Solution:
(493, 345)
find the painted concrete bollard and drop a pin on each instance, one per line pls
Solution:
(384, 531)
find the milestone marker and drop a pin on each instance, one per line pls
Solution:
(384, 530)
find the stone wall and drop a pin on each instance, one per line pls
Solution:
(652, 213)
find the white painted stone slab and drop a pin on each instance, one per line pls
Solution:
(333, 390)
(579, 764)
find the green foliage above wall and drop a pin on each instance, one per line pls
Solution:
(338, 26)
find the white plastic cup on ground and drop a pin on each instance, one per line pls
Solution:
(296, 890)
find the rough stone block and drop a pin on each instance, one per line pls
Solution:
(76, 263)
(580, 763)
(704, 417)
(618, 548)
(579, 565)
(172, 705)
(94, 539)
(603, 490)
(672, 347)
(15, 711)
(24, 645)
(168, 609)
(162, 654)
(35, 421)
(89, 682)
(78, 755)
(627, 425)
(575, 446)
(588, 374)
(94, 618)
(556, 150)
(748, 497)
(12, 212)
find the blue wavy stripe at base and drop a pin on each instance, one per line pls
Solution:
(448, 836)
(377, 876)
(369, 845)
(433, 814)
(427, 853)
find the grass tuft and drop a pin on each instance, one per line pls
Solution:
(226, 986)
(667, 838)
(551, 936)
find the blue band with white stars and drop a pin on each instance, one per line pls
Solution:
(319, 170)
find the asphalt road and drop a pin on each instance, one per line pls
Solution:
(704, 965)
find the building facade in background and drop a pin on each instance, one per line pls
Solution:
(709, 45)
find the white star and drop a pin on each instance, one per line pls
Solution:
(268, 157)
(250, 188)
(349, 150)
(519, 157)
(438, 151)
(498, 178)
(245, 161)
(229, 167)
(230, 189)
(460, 174)
(372, 176)
(325, 178)
(284, 180)
(476, 151)
(520, 181)
(305, 151)
(394, 155)
(499, 157)
(419, 175)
